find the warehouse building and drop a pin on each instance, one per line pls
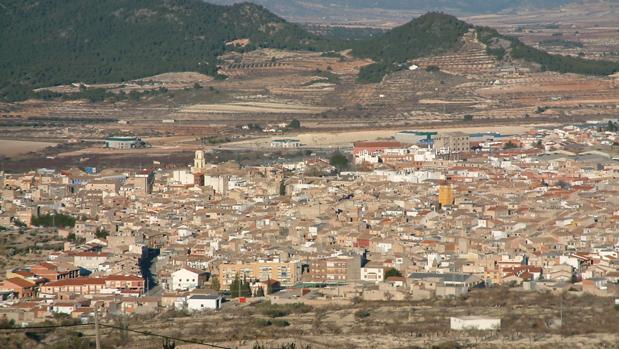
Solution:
(285, 143)
(415, 137)
(124, 143)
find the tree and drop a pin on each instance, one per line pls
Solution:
(392, 272)
(101, 233)
(19, 223)
(539, 144)
(563, 185)
(239, 288)
(362, 313)
(612, 127)
(260, 292)
(215, 284)
(510, 145)
(339, 160)
(53, 220)
(294, 124)
(468, 117)
(7, 324)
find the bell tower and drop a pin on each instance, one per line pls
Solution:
(198, 168)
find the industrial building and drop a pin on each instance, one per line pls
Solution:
(285, 143)
(124, 142)
(415, 137)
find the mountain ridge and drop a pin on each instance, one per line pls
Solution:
(46, 42)
(49, 42)
(317, 7)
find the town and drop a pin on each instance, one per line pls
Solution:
(414, 218)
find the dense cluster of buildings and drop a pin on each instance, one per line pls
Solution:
(414, 224)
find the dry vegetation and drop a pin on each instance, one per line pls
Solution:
(528, 320)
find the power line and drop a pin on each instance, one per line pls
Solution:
(42, 327)
(145, 333)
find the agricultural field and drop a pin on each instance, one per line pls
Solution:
(270, 86)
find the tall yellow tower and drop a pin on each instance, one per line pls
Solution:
(198, 169)
(446, 195)
(199, 162)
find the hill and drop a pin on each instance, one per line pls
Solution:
(502, 46)
(49, 42)
(437, 33)
(431, 34)
(319, 8)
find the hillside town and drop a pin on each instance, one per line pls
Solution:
(420, 216)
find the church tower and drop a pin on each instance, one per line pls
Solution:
(198, 168)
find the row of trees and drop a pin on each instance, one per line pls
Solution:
(58, 220)
(501, 45)
(241, 288)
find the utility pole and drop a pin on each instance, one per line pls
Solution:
(97, 336)
(561, 311)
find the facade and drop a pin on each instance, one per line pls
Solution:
(184, 177)
(339, 269)
(141, 183)
(24, 288)
(373, 148)
(285, 143)
(90, 260)
(124, 143)
(452, 143)
(448, 279)
(446, 195)
(53, 272)
(125, 282)
(199, 302)
(287, 273)
(188, 279)
(83, 286)
(372, 273)
(475, 323)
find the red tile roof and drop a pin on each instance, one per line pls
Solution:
(76, 282)
(123, 278)
(23, 283)
(377, 144)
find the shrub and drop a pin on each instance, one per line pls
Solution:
(362, 313)
(281, 310)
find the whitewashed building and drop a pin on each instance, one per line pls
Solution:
(372, 273)
(199, 302)
(188, 279)
(477, 323)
